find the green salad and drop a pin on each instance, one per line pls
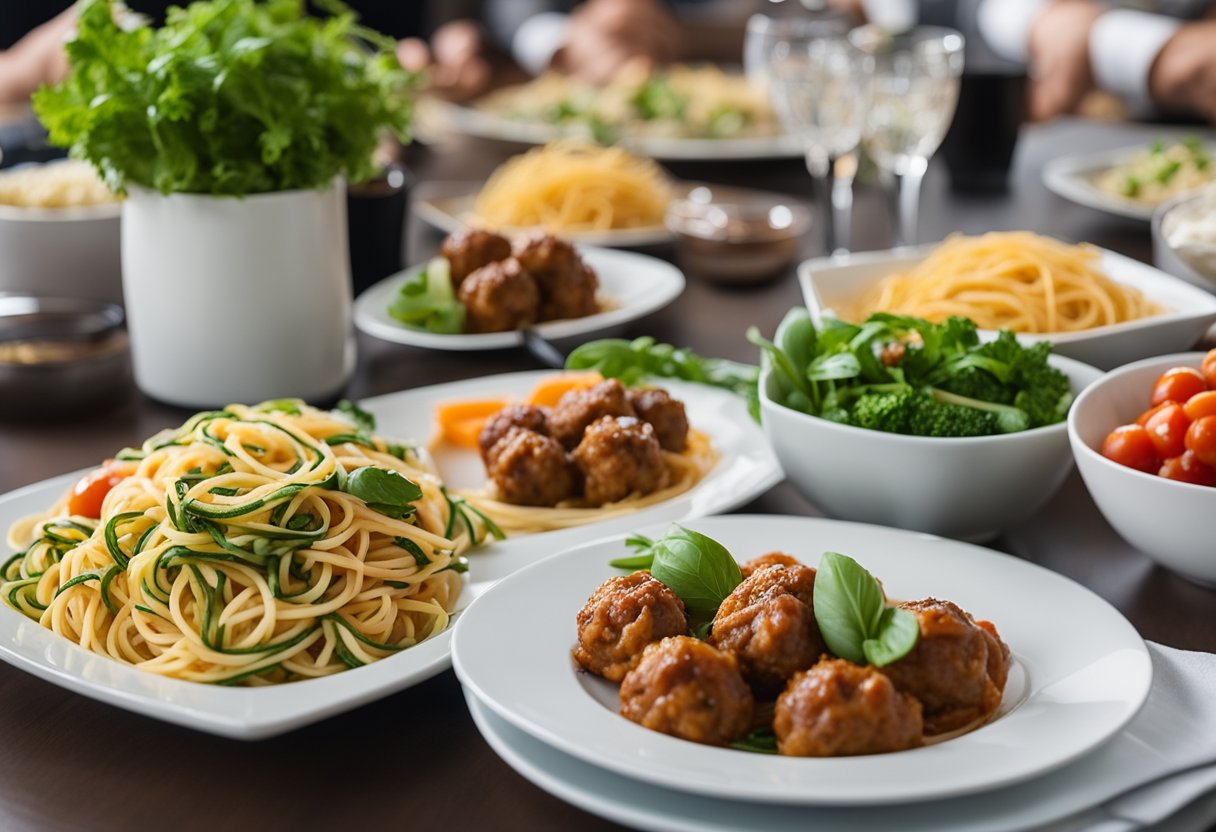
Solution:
(229, 97)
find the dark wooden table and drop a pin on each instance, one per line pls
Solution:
(67, 762)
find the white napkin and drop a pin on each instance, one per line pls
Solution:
(1165, 760)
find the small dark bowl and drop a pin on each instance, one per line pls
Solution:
(60, 356)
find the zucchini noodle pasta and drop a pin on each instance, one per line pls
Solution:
(252, 545)
(684, 470)
(1007, 280)
(573, 186)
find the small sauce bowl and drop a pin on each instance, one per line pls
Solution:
(735, 237)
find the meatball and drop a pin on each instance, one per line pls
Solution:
(619, 456)
(499, 297)
(567, 285)
(531, 470)
(840, 709)
(957, 669)
(771, 559)
(620, 618)
(685, 688)
(468, 250)
(511, 416)
(768, 621)
(579, 408)
(664, 413)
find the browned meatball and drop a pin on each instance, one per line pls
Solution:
(768, 621)
(685, 688)
(664, 413)
(949, 668)
(567, 285)
(511, 416)
(468, 250)
(771, 559)
(620, 618)
(579, 408)
(531, 470)
(499, 297)
(840, 709)
(619, 456)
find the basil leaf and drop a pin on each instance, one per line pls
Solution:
(695, 567)
(384, 491)
(897, 633)
(363, 420)
(848, 605)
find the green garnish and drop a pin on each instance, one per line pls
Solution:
(427, 301)
(363, 420)
(760, 741)
(384, 491)
(1130, 186)
(229, 97)
(657, 98)
(695, 567)
(853, 615)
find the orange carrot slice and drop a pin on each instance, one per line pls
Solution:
(461, 422)
(548, 391)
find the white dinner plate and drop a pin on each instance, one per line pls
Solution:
(829, 281)
(1072, 177)
(633, 285)
(437, 117)
(448, 206)
(745, 470)
(1081, 672)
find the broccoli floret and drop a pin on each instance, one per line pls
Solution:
(934, 418)
(978, 383)
(836, 414)
(1044, 392)
(890, 412)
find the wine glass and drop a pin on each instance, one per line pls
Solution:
(818, 83)
(913, 94)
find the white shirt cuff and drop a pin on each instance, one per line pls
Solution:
(1005, 26)
(537, 39)
(1123, 44)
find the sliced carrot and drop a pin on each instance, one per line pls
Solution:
(548, 391)
(461, 422)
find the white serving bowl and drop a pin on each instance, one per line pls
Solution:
(62, 252)
(1169, 521)
(967, 487)
(1195, 263)
(826, 282)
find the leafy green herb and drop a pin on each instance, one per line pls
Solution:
(1130, 186)
(289, 406)
(760, 741)
(363, 420)
(1167, 171)
(230, 97)
(657, 98)
(853, 617)
(427, 301)
(725, 121)
(384, 491)
(695, 567)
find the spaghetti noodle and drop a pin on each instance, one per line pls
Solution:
(1008, 280)
(572, 186)
(252, 545)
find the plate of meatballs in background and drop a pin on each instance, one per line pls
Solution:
(734, 681)
(484, 289)
(556, 459)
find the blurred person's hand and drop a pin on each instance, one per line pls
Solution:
(1183, 77)
(605, 35)
(1059, 54)
(456, 62)
(38, 58)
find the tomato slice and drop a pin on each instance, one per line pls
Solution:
(1167, 430)
(1177, 384)
(1130, 445)
(1201, 439)
(1209, 369)
(89, 494)
(1187, 468)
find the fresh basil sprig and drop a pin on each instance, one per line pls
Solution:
(853, 615)
(694, 566)
(384, 491)
(361, 419)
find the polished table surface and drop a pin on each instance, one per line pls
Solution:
(415, 760)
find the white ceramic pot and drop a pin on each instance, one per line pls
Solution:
(238, 299)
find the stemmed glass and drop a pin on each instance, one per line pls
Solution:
(913, 94)
(818, 82)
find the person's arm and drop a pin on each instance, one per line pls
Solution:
(1183, 76)
(36, 59)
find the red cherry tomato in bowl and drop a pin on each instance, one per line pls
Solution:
(1167, 430)
(1200, 405)
(1178, 384)
(1201, 439)
(1209, 369)
(1130, 445)
(89, 494)
(1186, 467)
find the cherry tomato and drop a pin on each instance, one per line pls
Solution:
(1130, 445)
(1187, 468)
(1200, 405)
(1209, 369)
(91, 491)
(1143, 418)
(1167, 429)
(1201, 439)
(1178, 384)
